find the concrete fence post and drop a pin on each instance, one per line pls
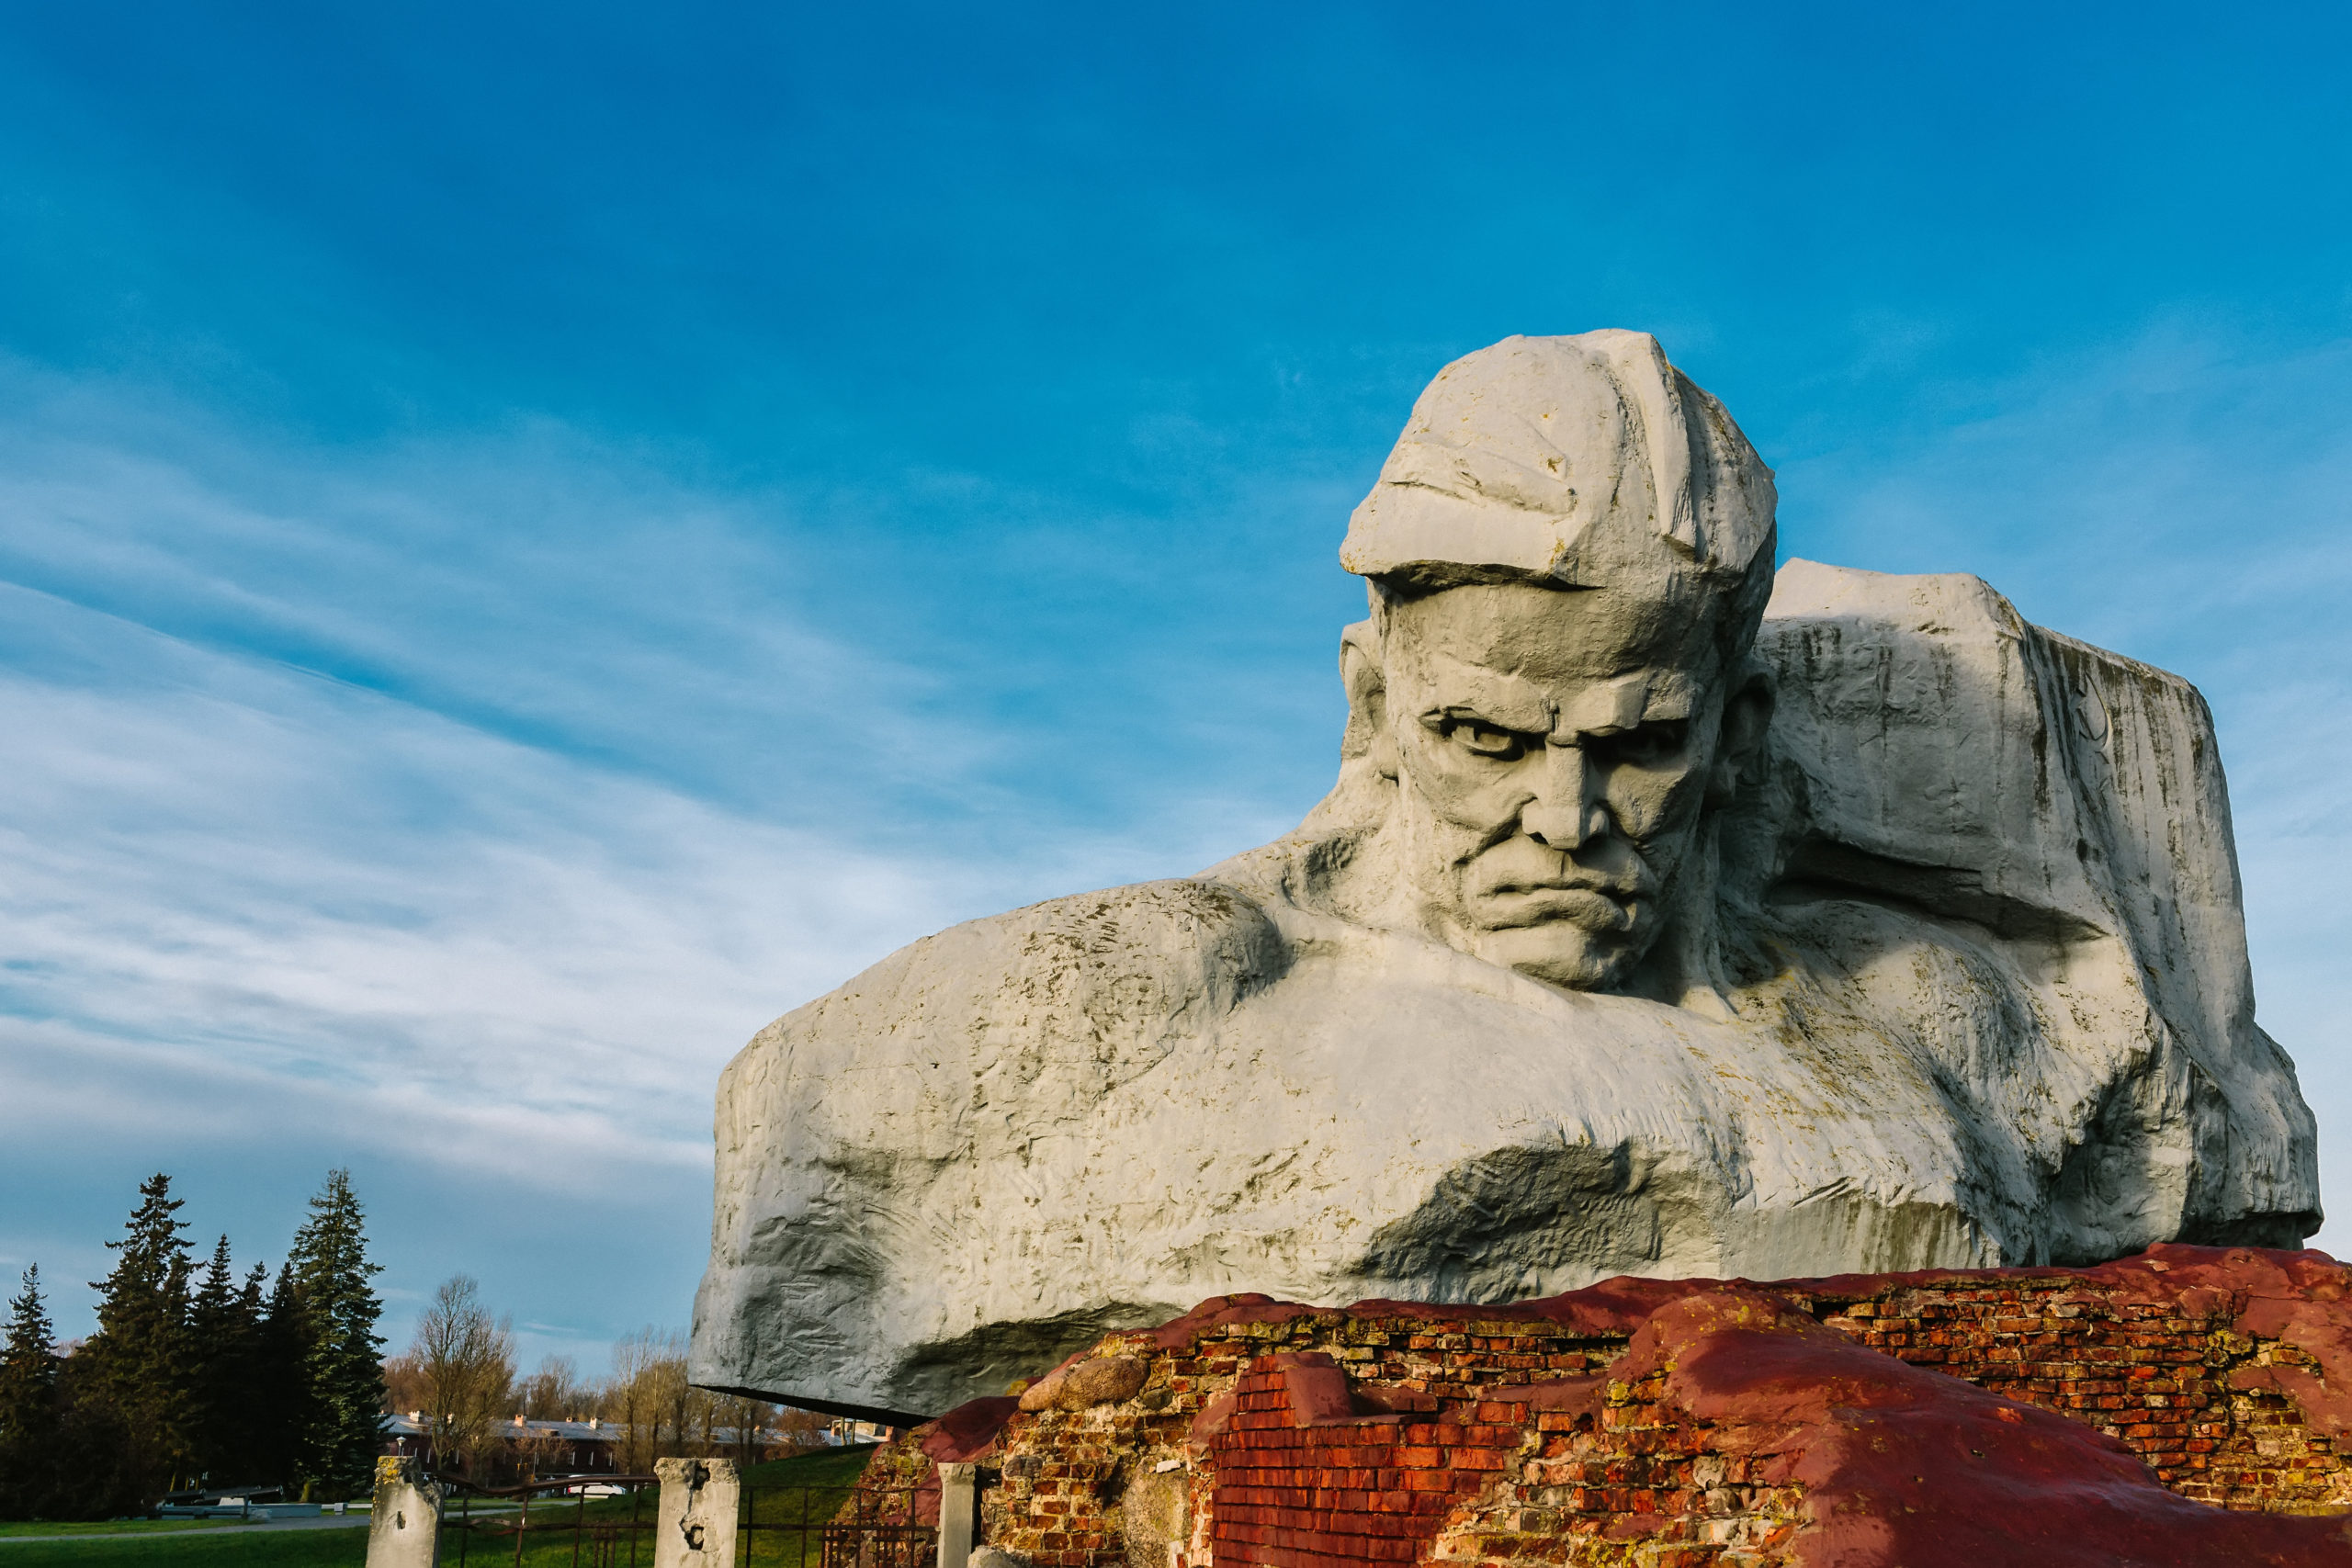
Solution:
(959, 1512)
(694, 1527)
(405, 1525)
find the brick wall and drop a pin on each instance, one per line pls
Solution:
(1557, 1430)
(1304, 1482)
(2174, 1377)
(1555, 1472)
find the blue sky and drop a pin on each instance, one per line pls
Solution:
(534, 541)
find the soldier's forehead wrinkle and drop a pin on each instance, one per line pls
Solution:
(1546, 634)
(1605, 707)
(1442, 685)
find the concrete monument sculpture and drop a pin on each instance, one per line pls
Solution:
(1668, 918)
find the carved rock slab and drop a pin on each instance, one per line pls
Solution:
(1991, 1006)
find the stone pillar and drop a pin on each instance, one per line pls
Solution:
(694, 1527)
(959, 1517)
(404, 1528)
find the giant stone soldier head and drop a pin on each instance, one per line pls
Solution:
(1569, 550)
(1604, 955)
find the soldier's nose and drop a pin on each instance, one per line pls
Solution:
(1564, 816)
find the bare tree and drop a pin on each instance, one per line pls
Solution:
(555, 1392)
(747, 1425)
(466, 1365)
(538, 1449)
(633, 1399)
(797, 1429)
(660, 1415)
(404, 1384)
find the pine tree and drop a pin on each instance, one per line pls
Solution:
(281, 1383)
(224, 1324)
(28, 1413)
(343, 1361)
(252, 1461)
(139, 1356)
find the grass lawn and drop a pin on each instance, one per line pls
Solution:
(827, 1467)
(783, 1491)
(798, 1494)
(236, 1547)
(794, 1497)
(118, 1526)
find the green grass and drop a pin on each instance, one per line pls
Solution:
(777, 1497)
(793, 1493)
(778, 1488)
(828, 1467)
(115, 1527)
(248, 1548)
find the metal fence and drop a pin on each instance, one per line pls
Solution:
(547, 1524)
(541, 1531)
(831, 1527)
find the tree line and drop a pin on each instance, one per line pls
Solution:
(460, 1379)
(198, 1375)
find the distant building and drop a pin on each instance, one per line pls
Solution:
(590, 1447)
(563, 1447)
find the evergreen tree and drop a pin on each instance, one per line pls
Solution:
(224, 1329)
(62, 1446)
(95, 1470)
(254, 1401)
(343, 1365)
(139, 1357)
(279, 1389)
(28, 1413)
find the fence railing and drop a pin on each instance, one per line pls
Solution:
(556, 1523)
(831, 1526)
(569, 1527)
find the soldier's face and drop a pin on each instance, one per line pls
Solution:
(1552, 749)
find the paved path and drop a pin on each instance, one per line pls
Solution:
(272, 1526)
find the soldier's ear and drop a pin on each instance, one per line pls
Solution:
(1748, 719)
(1367, 682)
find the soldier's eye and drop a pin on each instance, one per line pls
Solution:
(1485, 739)
(1647, 746)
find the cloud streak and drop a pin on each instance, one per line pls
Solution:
(242, 900)
(469, 865)
(455, 810)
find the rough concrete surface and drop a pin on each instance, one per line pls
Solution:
(404, 1519)
(696, 1524)
(1668, 918)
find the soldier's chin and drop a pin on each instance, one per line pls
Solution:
(1560, 952)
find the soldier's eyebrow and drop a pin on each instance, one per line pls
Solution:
(1612, 707)
(1462, 713)
(1457, 690)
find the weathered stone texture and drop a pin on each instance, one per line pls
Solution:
(404, 1519)
(1668, 918)
(701, 1505)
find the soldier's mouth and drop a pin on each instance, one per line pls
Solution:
(1536, 904)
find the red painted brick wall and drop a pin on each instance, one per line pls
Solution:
(1297, 1487)
(1288, 1437)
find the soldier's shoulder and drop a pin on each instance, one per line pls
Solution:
(1115, 960)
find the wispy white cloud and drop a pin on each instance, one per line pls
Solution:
(319, 833)
(240, 902)
(457, 810)
(528, 581)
